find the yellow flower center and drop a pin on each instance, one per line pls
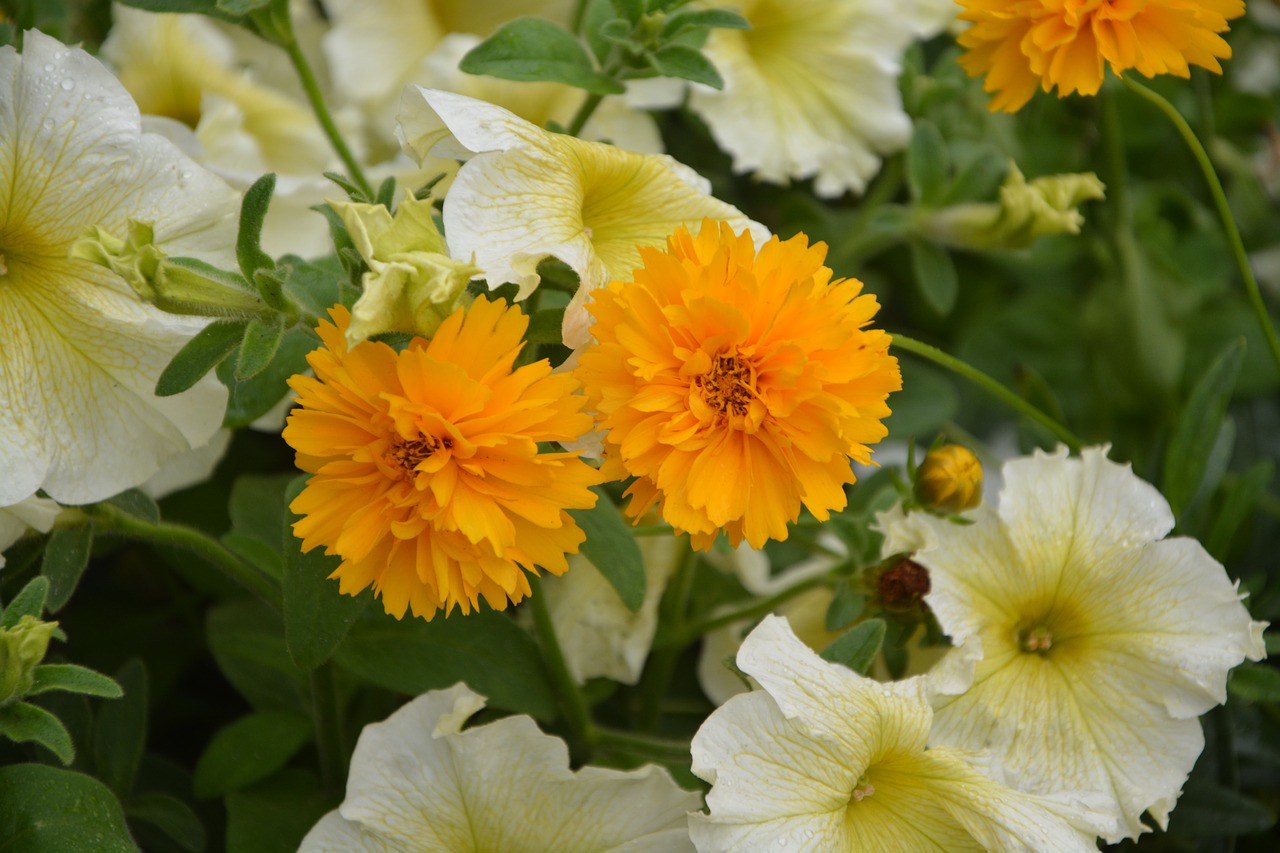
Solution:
(1038, 639)
(729, 386)
(408, 453)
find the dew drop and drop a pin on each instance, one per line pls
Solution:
(48, 66)
(68, 84)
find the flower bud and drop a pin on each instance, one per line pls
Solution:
(412, 284)
(22, 647)
(176, 285)
(949, 480)
(1024, 212)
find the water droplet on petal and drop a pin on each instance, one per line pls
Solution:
(68, 84)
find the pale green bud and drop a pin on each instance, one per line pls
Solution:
(1024, 212)
(176, 285)
(412, 284)
(22, 648)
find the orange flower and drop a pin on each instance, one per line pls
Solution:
(1065, 43)
(428, 480)
(735, 387)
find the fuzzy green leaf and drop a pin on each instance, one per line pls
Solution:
(249, 750)
(120, 731)
(253, 213)
(261, 341)
(47, 810)
(858, 647)
(22, 722)
(612, 549)
(28, 602)
(198, 356)
(72, 678)
(686, 63)
(935, 275)
(531, 49)
(171, 816)
(1197, 428)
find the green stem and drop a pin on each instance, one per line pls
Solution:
(691, 632)
(583, 115)
(576, 712)
(326, 711)
(321, 109)
(662, 663)
(579, 15)
(1224, 211)
(113, 520)
(646, 746)
(991, 386)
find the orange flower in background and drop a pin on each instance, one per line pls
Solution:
(428, 480)
(1022, 44)
(734, 386)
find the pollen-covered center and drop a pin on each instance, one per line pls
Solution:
(408, 453)
(729, 386)
(1051, 631)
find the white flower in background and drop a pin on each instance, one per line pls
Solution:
(32, 513)
(418, 782)
(811, 90)
(1102, 642)
(530, 194)
(928, 18)
(81, 354)
(615, 120)
(187, 69)
(599, 635)
(824, 759)
(376, 47)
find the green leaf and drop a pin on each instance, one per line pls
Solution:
(530, 49)
(685, 63)
(247, 641)
(22, 722)
(273, 816)
(935, 274)
(253, 213)
(316, 615)
(598, 14)
(1236, 507)
(846, 606)
(243, 7)
(705, 18)
(632, 10)
(120, 731)
(858, 647)
(1255, 682)
(137, 503)
(928, 164)
(1208, 810)
(488, 651)
(249, 750)
(28, 602)
(612, 549)
(171, 816)
(545, 326)
(198, 356)
(257, 511)
(261, 340)
(65, 557)
(47, 810)
(72, 678)
(1197, 428)
(197, 7)
(251, 399)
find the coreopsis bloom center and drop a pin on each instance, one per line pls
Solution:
(727, 389)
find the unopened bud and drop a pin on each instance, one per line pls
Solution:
(176, 285)
(1024, 212)
(22, 648)
(949, 480)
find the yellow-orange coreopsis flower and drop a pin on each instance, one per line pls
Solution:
(1021, 44)
(427, 477)
(735, 386)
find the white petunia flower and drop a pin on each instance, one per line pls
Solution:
(418, 782)
(1102, 641)
(599, 635)
(822, 759)
(186, 68)
(81, 354)
(530, 194)
(811, 90)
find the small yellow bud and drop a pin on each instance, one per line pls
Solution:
(412, 285)
(22, 648)
(177, 285)
(949, 480)
(1025, 211)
